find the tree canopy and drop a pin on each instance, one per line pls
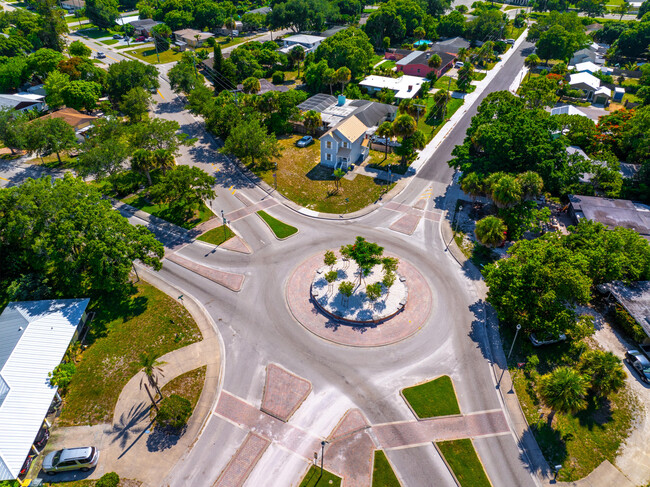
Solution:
(348, 48)
(61, 239)
(125, 75)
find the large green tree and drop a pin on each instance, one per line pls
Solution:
(250, 142)
(125, 75)
(505, 136)
(136, 103)
(81, 95)
(68, 240)
(45, 136)
(184, 188)
(301, 15)
(102, 13)
(157, 133)
(349, 48)
(44, 61)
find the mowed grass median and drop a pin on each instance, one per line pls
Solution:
(315, 479)
(382, 472)
(148, 321)
(217, 236)
(280, 229)
(433, 398)
(464, 462)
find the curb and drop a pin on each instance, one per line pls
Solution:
(453, 475)
(161, 283)
(269, 226)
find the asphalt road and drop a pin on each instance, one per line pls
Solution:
(257, 328)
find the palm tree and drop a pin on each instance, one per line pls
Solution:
(564, 390)
(462, 54)
(440, 99)
(343, 75)
(605, 369)
(531, 62)
(230, 23)
(435, 61)
(329, 78)
(251, 85)
(296, 55)
(142, 162)
(419, 33)
(163, 159)
(338, 174)
(312, 120)
(151, 368)
(472, 184)
(385, 130)
(505, 191)
(531, 184)
(490, 231)
(404, 126)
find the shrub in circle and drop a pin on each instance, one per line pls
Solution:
(110, 479)
(174, 411)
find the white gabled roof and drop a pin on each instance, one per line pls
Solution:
(587, 66)
(568, 110)
(304, 38)
(34, 336)
(586, 78)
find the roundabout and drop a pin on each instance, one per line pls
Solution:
(398, 312)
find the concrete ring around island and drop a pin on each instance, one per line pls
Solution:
(401, 326)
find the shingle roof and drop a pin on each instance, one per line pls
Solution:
(422, 57)
(71, 116)
(351, 128)
(613, 212)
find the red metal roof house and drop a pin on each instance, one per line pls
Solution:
(417, 63)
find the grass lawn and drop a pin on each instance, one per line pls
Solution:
(433, 398)
(512, 32)
(188, 385)
(94, 32)
(217, 236)
(443, 83)
(382, 472)
(376, 58)
(52, 161)
(302, 179)
(162, 211)
(314, 478)
(580, 442)
(431, 125)
(388, 64)
(223, 41)
(148, 54)
(149, 321)
(464, 462)
(376, 160)
(479, 76)
(280, 229)
(72, 19)
(110, 42)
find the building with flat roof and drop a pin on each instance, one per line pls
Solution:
(34, 336)
(308, 42)
(405, 87)
(635, 299)
(612, 213)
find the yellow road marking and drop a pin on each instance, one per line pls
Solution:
(161, 96)
(233, 191)
(5, 179)
(230, 188)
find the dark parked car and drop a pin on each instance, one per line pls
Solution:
(140, 39)
(640, 363)
(101, 55)
(117, 36)
(41, 438)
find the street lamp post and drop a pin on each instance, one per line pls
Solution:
(513, 343)
(322, 455)
(225, 223)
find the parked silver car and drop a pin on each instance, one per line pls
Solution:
(82, 459)
(305, 141)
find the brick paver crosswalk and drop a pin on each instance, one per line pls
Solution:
(284, 392)
(242, 463)
(407, 433)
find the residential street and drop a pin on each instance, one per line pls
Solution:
(258, 329)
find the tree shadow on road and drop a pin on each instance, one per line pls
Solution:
(478, 331)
